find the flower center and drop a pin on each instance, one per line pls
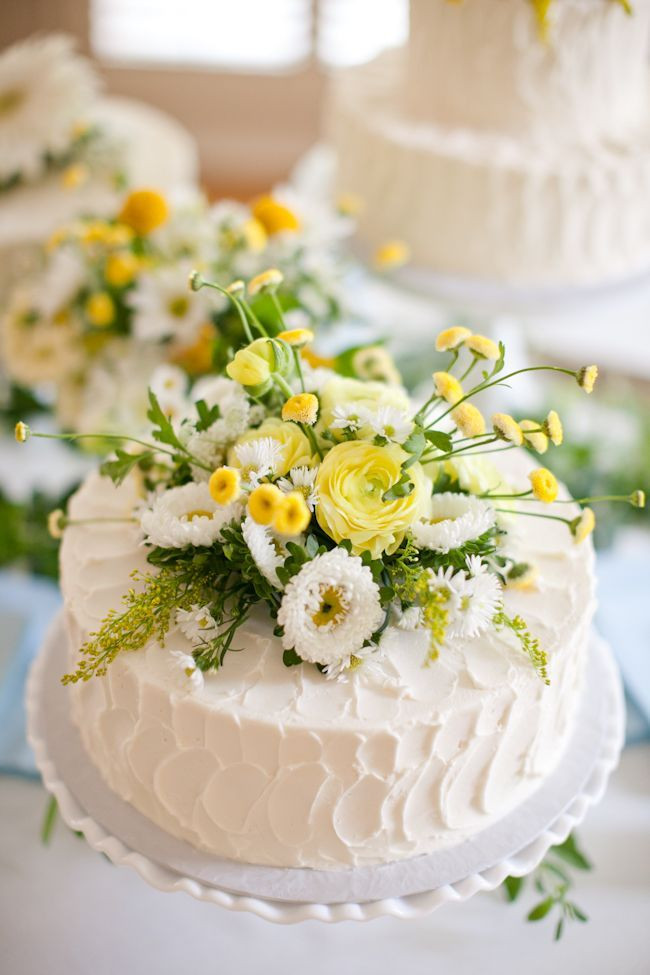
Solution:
(10, 100)
(179, 306)
(199, 513)
(332, 608)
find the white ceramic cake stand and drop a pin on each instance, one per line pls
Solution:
(512, 846)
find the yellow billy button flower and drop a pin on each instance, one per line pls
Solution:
(394, 253)
(297, 337)
(56, 522)
(302, 408)
(265, 281)
(275, 217)
(144, 211)
(447, 386)
(582, 526)
(263, 502)
(253, 365)
(100, 309)
(451, 338)
(225, 485)
(482, 346)
(507, 428)
(292, 514)
(120, 268)
(587, 377)
(637, 499)
(469, 420)
(533, 436)
(236, 288)
(544, 485)
(553, 428)
(21, 432)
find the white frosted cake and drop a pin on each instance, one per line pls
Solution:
(266, 764)
(496, 152)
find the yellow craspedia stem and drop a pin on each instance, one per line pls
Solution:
(297, 337)
(447, 386)
(533, 436)
(544, 485)
(275, 217)
(392, 254)
(120, 269)
(263, 502)
(225, 485)
(292, 514)
(302, 408)
(469, 420)
(482, 346)
(507, 428)
(587, 377)
(553, 428)
(452, 338)
(144, 211)
(582, 526)
(100, 309)
(265, 281)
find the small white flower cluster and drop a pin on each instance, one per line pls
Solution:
(385, 421)
(472, 596)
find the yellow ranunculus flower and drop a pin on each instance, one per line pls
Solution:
(297, 449)
(253, 365)
(340, 391)
(144, 211)
(350, 484)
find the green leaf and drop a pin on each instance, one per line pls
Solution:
(578, 914)
(401, 489)
(541, 909)
(207, 415)
(49, 820)
(438, 439)
(163, 430)
(121, 465)
(559, 929)
(570, 853)
(290, 658)
(513, 887)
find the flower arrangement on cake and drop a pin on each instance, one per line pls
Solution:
(111, 302)
(323, 495)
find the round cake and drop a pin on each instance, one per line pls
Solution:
(269, 764)
(495, 152)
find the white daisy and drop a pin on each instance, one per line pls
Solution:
(45, 90)
(259, 458)
(165, 308)
(267, 551)
(187, 675)
(330, 608)
(451, 520)
(186, 515)
(348, 416)
(197, 624)
(389, 422)
(366, 657)
(301, 479)
(473, 597)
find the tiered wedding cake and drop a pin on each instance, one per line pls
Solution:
(498, 147)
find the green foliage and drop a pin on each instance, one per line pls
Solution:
(121, 465)
(163, 430)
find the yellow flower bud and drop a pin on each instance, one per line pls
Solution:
(56, 522)
(302, 408)
(120, 269)
(587, 377)
(553, 428)
(544, 485)
(263, 502)
(525, 579)
(274, 216)
(297, 337)
(637, 498)
(144, 211)
(100, 309)
(533, 436)
(447, 386)
(225, 485)
(253, 365)
(292, 515)
(507, 428)
(451, 338)
(236, 288)
(394, 253)
(21, 432)
(469, 420)
(482, 347)
(265, 281)
(582, 526)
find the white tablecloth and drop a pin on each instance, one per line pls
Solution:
(65, 911)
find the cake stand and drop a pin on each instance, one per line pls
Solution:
(514, 845)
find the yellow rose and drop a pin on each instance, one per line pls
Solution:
(340, 391)
(253, 365)
(297, 449)
(350, 484)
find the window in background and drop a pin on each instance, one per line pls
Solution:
(246, 35)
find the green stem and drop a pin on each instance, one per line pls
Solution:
(278, 308)
(532, 514)
(296, 359)
(49, 820)
(469, 369)
(235, 302)
(311, 436)
(156, 448)
(282, 384)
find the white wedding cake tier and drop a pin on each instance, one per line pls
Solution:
(496, 153)
(273, 765)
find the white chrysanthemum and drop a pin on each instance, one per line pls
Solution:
(45, 90)
(348, 416)
(301, 479)
(184, 669)
(268, 551)
(186, 515)
(164, 307)
(197, 624)
(451, 520)
(389, 422)
(474, 597)
(259, 458)
(330, 608)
